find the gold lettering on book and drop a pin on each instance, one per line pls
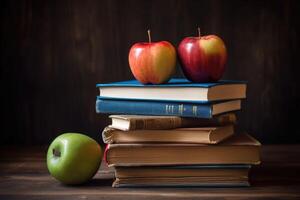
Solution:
(194, 108)
(169, 109)
(140, 124)
(180, 109)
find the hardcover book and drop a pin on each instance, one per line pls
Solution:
(205, 135)
(182, 182)
(196, 175)
(146, 122)
(175, 90)
(183, 171)
(238, 149)
(133, 107)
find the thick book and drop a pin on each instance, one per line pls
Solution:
(182, 182)
(204, 135)
(238, 149)
(147, 122)
(174, 90)
(199, 175)
(183, 171)
(199, 110)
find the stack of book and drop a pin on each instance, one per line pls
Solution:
(176, 134)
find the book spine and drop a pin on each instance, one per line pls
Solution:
(105, 154)
(155, 123)
(221, 120)
(153, 108)
(225, 119)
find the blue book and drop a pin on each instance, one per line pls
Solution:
(135, 107)
(178, 90)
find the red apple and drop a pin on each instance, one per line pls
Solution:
(152, 62)
(202, 58)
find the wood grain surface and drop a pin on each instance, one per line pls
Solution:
(24, 175)
(54, 52)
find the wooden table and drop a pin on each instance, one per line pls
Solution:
(23, 175)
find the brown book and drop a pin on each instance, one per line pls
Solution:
(208, 135)
(182, 182)
(137, 122)
(183, 171)
(238, 149)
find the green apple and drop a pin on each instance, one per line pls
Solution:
(73, 158)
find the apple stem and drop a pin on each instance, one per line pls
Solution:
(149, 35)
(56, 153)
(199, 33)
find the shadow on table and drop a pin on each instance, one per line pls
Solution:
(100, 182)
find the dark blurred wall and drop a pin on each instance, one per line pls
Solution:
(54, 52)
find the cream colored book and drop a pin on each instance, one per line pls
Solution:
(205, 135)
(137, 122)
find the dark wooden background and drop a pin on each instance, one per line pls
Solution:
(54, 52)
